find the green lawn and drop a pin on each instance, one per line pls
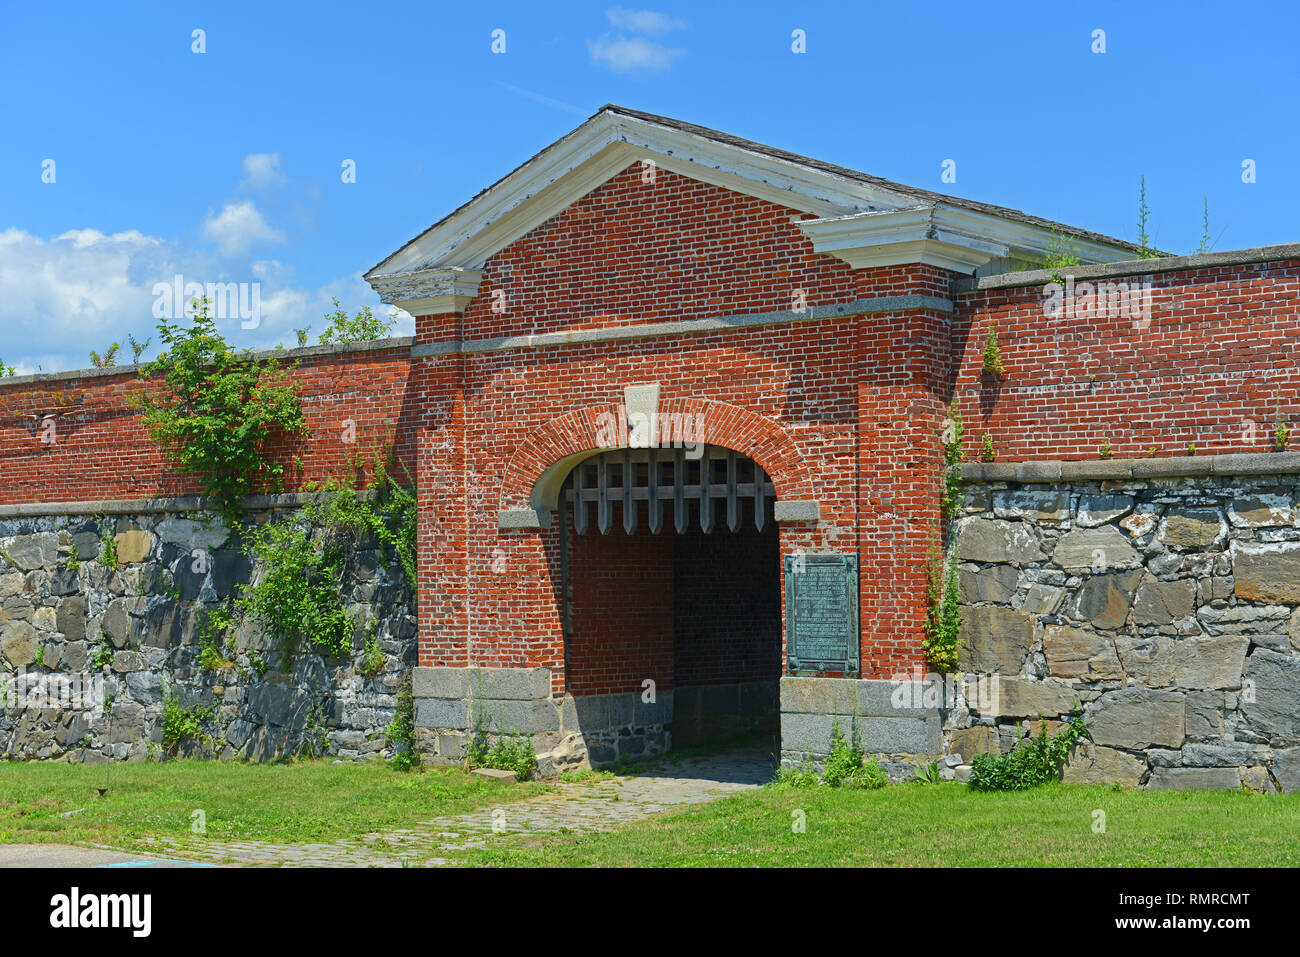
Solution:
(939, 825)
(284, 803)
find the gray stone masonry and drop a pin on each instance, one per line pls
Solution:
(76, 633)
(1161, 596)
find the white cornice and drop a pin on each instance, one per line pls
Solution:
(428, 292)
(952, 238)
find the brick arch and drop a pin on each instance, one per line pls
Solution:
(539, 466)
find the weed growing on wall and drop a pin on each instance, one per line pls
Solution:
(212, 634)
(987, 452)
(943, 617)
(848, 767)
(401, 732)
(1034, 762)
(297, 598)
(1281, 432)
(182, 724)
(953, 430)
(992, 353)
(220, 412)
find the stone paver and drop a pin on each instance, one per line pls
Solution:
(607, 804)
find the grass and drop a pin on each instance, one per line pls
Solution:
(284, 803)
(942, 825)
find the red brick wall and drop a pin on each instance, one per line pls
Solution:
(1215, 355)
(621, 611)
(101, 450)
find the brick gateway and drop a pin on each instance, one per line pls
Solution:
(645, 289)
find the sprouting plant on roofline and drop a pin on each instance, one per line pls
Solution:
(5, 370)
(137, 347)
(1061, 254)
(1035, 761)
(1204, 246)
(362, 327)
(108, 359)
(992, 353)
(1144, 240)
(218, 414)
(943, 617)
(987, 452)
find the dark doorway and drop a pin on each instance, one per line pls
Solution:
(672, 575)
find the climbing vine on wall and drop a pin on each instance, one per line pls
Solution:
(219, 412)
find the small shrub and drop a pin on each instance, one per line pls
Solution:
(181, 724)
(109, 558)
(870, 777)
(509, 752)
(1035, 761)
(845, 766)
(362, 327)
(401, 732)
(802, 776)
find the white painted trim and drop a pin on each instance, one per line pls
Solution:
(428, 292)
(940, 235)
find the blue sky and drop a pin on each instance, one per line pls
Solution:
(225, 165)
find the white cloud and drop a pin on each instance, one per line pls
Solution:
(262, 169)
(237, 227)
(85, 289)
(643, 21)
(623, 54)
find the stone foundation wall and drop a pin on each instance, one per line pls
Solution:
(452, 704)
(898, 721)
(705, 713)
(1162, 595)
(61, 602)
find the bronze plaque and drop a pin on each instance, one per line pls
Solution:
(821, 613)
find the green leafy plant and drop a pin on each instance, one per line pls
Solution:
(950, 496)
(137, 347)
(109, 556)
(507, 752)
(993, 353)
(1061, 254)
(929, 774)
(1281, 431)
(1105, 450)
(297, 598)
(103, 654)
(5, 370)
(802, 775)
(259, 667)
(1204, 246)
(219, 414)
(401, 731)
(1145, 250)
(943, 617)
(212, 634)
(40, 656)
(362, 327)
(181, 724)
(372, 656)
(987, 452)
(1191, 448)
(1033, 762)
(109, 358)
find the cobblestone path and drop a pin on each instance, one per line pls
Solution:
(671, 783)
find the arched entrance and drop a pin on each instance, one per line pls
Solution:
(670, 564)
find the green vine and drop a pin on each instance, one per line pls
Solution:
(220, 413)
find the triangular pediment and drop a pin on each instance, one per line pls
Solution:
(860, 218)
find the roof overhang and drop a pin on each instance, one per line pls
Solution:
(863, 223)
